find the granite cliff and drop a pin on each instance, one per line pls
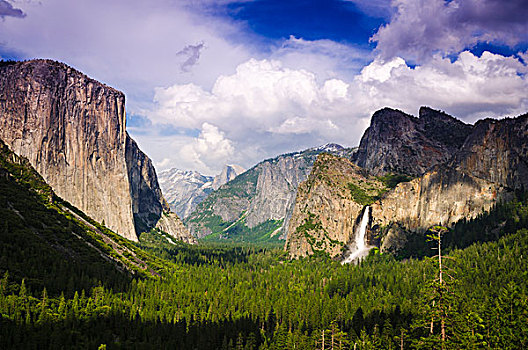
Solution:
(459, 171)
(258, 203)
(72, 130)
(397, 142)
(328, 205)
(228, 173)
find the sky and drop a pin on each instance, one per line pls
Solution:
(210, 83)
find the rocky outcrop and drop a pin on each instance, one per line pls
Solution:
(441, 196)
(399, 143)
(228, 173)
(328, 207)
(184, 189)
(476, 170)
(263, 194)
(497, 151)
(492, 162)
(72, 130)
(171, 223)
(149, 207)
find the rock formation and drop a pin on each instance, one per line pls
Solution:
(228, 173)
(397, 142)
(467, 170)
(326, 211)
(72, 130)
(263, 194)
(184, 190)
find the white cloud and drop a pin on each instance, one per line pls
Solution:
(325, 58)
(211, 147)
(264, 109)
(420, 28)
(133, 45)
(470, 86)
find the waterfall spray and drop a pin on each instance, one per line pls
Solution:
(361, 249)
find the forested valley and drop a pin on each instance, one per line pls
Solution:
(245, 297)
(68, 282)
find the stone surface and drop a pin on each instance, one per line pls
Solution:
(228, 173)
(263, 193)
(326, 214)
(184, 189)
(468, 179)
(72, 130)
(441, 196)
(397, 142)
(171, 223)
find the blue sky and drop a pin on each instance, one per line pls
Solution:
(216, 82)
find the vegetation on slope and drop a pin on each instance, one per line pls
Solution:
(219, 297)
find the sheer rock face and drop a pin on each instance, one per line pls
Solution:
(326, 215)
(497, 151)
(441, 196)
(276, 188)
(265, 192)
(479, 169)
(228, 173)
(492, 162)
(400, 143)
(72, 130)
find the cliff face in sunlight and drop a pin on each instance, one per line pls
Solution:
(328, 206)
(459, 171)
(72, 130)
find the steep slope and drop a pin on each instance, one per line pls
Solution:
(489, 165)
(328, 206)
(259, 202)
(72, 130)
(51, 243)
(492, 163)
(184, 190)
(397, 142)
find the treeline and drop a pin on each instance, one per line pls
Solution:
(57, 289)
(268, 303)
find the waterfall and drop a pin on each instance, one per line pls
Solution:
(361, 249)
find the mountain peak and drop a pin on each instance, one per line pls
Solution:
(229, 172)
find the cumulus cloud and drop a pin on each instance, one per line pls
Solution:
(265, 109)
(7, 10)
(211, 147)
(469, 87)
(420, 28)
(262, 95)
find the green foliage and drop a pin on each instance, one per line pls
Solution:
(391, 180)
(360, 196)
(260, 235)
(57, 291)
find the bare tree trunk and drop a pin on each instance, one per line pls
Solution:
(442, 317)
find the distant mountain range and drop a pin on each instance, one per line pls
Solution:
(257, 204)
(185, 189)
